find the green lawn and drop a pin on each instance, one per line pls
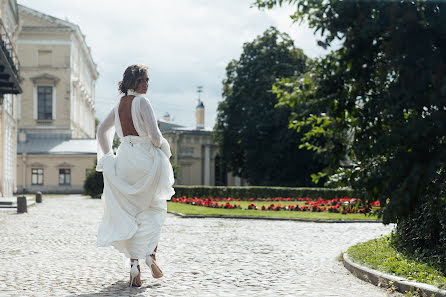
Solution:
(380, 255)
(188, 209)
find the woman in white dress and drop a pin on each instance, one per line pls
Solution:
(138, 179)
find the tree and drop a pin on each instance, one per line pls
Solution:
(253, 136)
(385, 89)
(93, 183)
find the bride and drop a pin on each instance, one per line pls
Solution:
(138, 179)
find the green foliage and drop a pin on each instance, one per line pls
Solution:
(427, 241)
(263, 192)
(175, 167)
(93, 183)
(254, 139)
(116, 143)
(379, 100)
(379, 254)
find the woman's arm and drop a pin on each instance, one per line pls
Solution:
(105, 135)
(103, 128)
(150, 122)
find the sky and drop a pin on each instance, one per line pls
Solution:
(185, 44)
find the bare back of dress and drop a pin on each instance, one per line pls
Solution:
(125, 116)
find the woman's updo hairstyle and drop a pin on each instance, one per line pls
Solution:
(130, 78)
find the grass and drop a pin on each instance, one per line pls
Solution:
(380, 255)
(188, 209)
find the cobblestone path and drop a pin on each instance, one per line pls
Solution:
(51, 251)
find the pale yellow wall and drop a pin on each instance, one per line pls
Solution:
(51, 164)
(28, 100)
(70, 62)
(191, 164)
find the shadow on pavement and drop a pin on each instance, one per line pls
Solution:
(120, 288)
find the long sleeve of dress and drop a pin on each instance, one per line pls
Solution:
(150, 122)
(105, 135)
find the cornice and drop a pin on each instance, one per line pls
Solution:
(65, 165)
(45, 76)
(62, 25)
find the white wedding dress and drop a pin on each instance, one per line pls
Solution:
(137, 181)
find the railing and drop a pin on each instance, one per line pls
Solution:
(8, 48)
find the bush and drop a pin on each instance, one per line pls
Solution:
(422, 235)
(262, 192)
(94, 183)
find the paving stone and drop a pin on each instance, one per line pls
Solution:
(51, 251)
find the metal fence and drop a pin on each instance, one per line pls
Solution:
(8, 48)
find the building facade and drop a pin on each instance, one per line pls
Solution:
(9, 88)
(56, 109)
(195, 153)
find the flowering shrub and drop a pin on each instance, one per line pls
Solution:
(336, 205)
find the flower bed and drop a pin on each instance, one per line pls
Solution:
(336, 205)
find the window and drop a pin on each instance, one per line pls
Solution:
(44, 103)
(37, 176)
(64, 177)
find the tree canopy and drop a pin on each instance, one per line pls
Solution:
(380, 100)
(254, 139)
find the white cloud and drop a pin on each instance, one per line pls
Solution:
(185, 43)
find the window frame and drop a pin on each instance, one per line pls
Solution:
(36, 102)
(37, 176)
(66, 172)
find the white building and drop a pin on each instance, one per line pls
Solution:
(9, 87)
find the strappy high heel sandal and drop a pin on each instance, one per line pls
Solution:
(156, 271)
(134, 272)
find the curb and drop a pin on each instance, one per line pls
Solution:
(11, 203)
(381, 279)
(182, 215)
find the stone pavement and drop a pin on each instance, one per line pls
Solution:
(51, 251)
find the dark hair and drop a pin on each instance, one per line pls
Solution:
(130, 78)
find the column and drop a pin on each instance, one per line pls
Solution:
(207, 165)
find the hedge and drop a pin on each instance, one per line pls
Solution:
(261, 192)
(93, 183)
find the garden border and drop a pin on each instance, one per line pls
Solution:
(382, 279)
(182, 215)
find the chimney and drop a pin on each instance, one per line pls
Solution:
(199, 115)
(166, 117)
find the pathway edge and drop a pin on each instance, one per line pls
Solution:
(381, 279)
(182, 215)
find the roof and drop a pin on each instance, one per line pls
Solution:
(167, 126)
(189, 130)
(57, 144)
(200, 104)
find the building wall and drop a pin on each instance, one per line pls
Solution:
(9, 145)
(78, 165)
(53, 53)
(189, 153)
(8, 115)
(83, 80)
(56, 75)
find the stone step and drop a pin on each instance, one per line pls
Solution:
(11, 202)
